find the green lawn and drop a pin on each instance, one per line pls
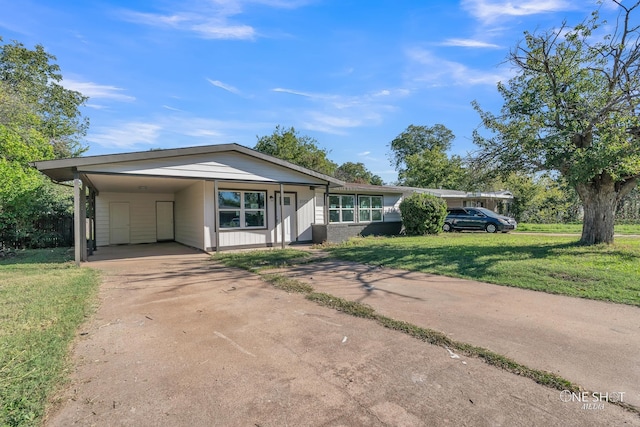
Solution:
(573, 228)
(43, 300)
(553, 264)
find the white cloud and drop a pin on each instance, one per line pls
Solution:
(209, 19)
(490, 11)
(208, 24)
(364, 153)
(167, 107)
(295, 92)
(126, 135)
(228, 88)
(96, 106)
(469, 43)
(441, 72)
(97, 91)
(336, 113)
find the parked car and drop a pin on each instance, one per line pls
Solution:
(477, 219)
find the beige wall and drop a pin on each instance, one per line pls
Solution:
(142, 215)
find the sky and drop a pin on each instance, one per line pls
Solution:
(353, 75)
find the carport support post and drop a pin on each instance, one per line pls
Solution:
(83, 222)
(216, 213)
(282, 231)
(77, 218)
(326, 206)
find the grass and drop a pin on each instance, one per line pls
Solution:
(43, 300)
(553, 264)
(575, 228)
(255, 260)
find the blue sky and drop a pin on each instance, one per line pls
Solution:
(351, 74)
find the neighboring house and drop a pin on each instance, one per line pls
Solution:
(220, 197)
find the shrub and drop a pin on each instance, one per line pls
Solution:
(422, 214)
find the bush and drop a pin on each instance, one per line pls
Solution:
(423, 214)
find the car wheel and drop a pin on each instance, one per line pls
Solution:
(491, 228)
(446, 227)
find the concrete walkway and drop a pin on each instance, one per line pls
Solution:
(594, 344)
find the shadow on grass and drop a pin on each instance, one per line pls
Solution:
(38, 256)
(465, 261)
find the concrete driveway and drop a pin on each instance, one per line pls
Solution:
(592, 343)
(179, 340)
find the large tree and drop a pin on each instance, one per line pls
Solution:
(302, 150)
(33, 79)
(358, 173)
(39, 120)
(573, 108)
(419, 154)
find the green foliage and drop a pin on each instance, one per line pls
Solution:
(302, 150)
(358, 173)
(419, 154)
(26, 196)
(628, 209)
(433, 169)
(573, 108)
(541, 199)
(423, 214)
(33, 78)
(39, 120)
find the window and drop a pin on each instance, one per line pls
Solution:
(241, 209)
(342, 208)
(370, 208)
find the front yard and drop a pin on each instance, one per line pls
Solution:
(43, 300)
(552, 264)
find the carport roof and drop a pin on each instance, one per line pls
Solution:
(63, 169)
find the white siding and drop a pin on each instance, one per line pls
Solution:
(142, 211)
(209, 216)
(189, 215)
(392, 207)
(226, 165)
(306, 212)
(319, 207)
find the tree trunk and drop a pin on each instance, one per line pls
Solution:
(600, 198)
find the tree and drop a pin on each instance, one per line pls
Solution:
(433, 169)
(540, 199)
(358, 173)
(39, 120)
(419, 155)
(32, 77)
(302, 150)
(573, 108)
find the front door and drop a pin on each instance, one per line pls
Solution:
(164, 221)
(289, 214)
(119, 223)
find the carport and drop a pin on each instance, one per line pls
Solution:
(210, 198)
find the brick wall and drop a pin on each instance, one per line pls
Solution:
(336, 233)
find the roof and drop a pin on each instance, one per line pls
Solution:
(63, 169)
(442, 193)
